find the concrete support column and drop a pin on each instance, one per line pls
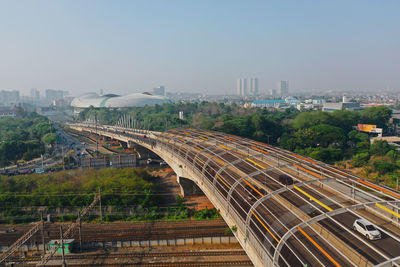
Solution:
(188, 187)
(131, 144)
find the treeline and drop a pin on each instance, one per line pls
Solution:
(325, 136)
(23, 137)
(78, 187)
(331, 137)
(258, 124)
(130, 189)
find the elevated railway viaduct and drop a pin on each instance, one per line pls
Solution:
(307, 223)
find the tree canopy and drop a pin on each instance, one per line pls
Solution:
(23, 137)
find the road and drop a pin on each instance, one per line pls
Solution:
(273, 219)
(305, 223)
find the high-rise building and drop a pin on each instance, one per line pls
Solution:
(35, 96)
(283, 88)
(241, 87)
(244, 87)
(159, 90)
(9, 98)
(254, 86)
(52, 94)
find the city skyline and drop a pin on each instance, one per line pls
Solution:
(131, 46)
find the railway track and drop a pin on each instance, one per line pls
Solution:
(167, 264)
(139, 254)
(129, 232)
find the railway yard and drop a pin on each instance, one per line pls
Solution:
(308, 221)
(112, 245)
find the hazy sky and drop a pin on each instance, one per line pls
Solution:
(198, 46)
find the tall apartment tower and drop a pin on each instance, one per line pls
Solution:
(35, 95)
(241, 87)
(254, 86)
(283, 88)
(159, 90)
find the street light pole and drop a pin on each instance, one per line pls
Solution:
(97, 136)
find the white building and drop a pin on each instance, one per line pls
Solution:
(9, 98)
(117, 101)
(35, 96)
(243, 88)
(283, 88)
(254, 86)
(159, 90)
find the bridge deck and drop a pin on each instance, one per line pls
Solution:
(308, 222)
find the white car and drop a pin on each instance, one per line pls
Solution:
(367, 229)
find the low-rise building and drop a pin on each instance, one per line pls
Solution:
(268, 103)
(329, 106)
(7, 113)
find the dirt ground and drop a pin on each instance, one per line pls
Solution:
(169, 186)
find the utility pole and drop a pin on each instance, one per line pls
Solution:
(101, 213)
(42, 230)
(80, 231)
(268, 136)
(97, 136)
(63, 156)
(62, 247)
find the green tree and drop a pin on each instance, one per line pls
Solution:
(360, 159)
(380, 148)
(49, 138)
(309, 119)
(383, 166)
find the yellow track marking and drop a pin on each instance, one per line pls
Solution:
(203, 138)
(198, 148)
(227, 148)
(255, 163)
(199, 160)
(249, 184)
(388, 210)
(187, 133)
(181, 139)
(223, 181)
(312, 198)
(208, 133)
(220, 161)
(310, 172)
(266, 228)
(319, 247)
(260, 150)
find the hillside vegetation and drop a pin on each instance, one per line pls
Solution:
(24, 137)
(127, 194)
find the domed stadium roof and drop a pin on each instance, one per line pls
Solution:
(117, 101)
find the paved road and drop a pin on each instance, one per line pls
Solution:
(247, 174)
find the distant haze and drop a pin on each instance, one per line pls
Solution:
(198, 46)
